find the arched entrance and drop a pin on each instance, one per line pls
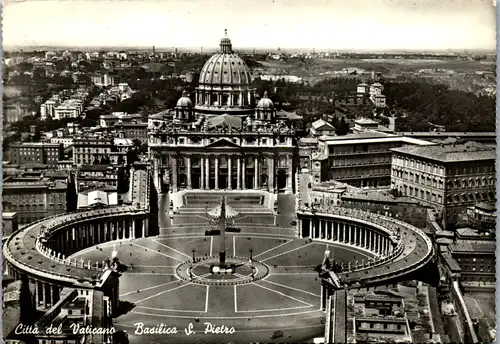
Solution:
(264, 180)
(281, 182)
(182, 180)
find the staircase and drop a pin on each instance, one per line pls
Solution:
(244, 203)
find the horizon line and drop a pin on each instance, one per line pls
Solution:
(213, 48)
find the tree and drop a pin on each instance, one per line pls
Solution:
(71, 194)
(343, 127)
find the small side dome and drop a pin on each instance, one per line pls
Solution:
(265, 102)
(184, 101)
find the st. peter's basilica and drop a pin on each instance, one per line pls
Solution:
(223, 141)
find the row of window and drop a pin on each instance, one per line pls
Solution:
(456, 198)
(363, 148)
(417, 164)
(368, 160)
(439, 183)
(352, 172)
(92, 150)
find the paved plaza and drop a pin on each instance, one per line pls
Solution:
(287, 299)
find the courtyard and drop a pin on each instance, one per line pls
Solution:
(156, 299)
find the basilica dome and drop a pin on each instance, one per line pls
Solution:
(225, 84)
(225, 68)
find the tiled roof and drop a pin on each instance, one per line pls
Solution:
(362, 135)
(378, 196)
(464, 245)
(320, 123)
(470, 151)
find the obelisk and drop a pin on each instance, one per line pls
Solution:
(222, 226)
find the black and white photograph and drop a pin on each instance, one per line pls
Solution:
(248, 171)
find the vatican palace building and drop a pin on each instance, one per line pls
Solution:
(226, 140)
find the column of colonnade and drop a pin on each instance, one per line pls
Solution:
(348, 233)
(45, 294)
(74, 238)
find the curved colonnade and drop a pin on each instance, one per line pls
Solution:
(41, 250)
(398, 248)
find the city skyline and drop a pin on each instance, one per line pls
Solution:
(400, 24)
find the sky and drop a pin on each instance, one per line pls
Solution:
(269, 24)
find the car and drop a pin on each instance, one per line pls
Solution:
(293, 223)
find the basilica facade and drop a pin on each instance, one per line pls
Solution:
(223, 141)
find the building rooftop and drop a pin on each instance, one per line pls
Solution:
(288, 115)
(370, 136)
(320, 123)
(378, 196)
(357, 136)
(469, 151)
(365, 121)
(472, 246)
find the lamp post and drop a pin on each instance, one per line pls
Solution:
(251, 251)
(194, 258)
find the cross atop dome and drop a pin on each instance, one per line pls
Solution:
(225, 33)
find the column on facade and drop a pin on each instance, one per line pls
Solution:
(238, 173)
(216, 172)
(256, 176)
(270, 171)
(156, 172)
(189, 172)
(229, 172)
(243, 174)
(202, 172)
(207, 172)
(290, 171)
(336, 228)
(174, 173)
(355, 238)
